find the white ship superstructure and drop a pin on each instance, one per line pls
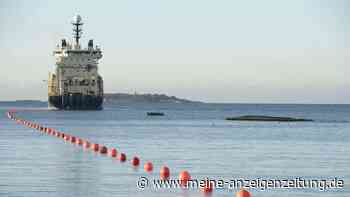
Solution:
(75, 83)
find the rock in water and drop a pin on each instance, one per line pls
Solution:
(155, 114)
(267, 118)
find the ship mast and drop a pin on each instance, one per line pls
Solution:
(77, 30)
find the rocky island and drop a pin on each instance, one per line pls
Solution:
(267, 118)
(114, 98)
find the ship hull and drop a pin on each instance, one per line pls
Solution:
(76, 102)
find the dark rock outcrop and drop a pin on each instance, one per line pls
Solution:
(267, 118)
(155, 114)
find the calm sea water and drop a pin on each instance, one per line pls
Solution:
(189, 137)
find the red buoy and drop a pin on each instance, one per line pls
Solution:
(122, 157)
(135, 161)
(113, 152)
(86, 144)
(184, 177)
(103, 150)
(148, 167)
(73, 139)
(67, 137)
(243, 193)
(79, 141)
(95, 147)
(207, 187)
(164, 173)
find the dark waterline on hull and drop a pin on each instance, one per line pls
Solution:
(76, 102)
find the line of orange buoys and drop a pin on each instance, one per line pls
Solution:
(184, 176)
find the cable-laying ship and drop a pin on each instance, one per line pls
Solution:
(75, 83)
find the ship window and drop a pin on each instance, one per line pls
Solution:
(84, 82)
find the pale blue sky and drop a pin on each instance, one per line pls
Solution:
(268, 51)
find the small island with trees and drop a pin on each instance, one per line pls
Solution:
(113, 98)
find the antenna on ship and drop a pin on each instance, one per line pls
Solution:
(77, 30)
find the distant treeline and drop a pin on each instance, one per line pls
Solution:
(144, 98)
